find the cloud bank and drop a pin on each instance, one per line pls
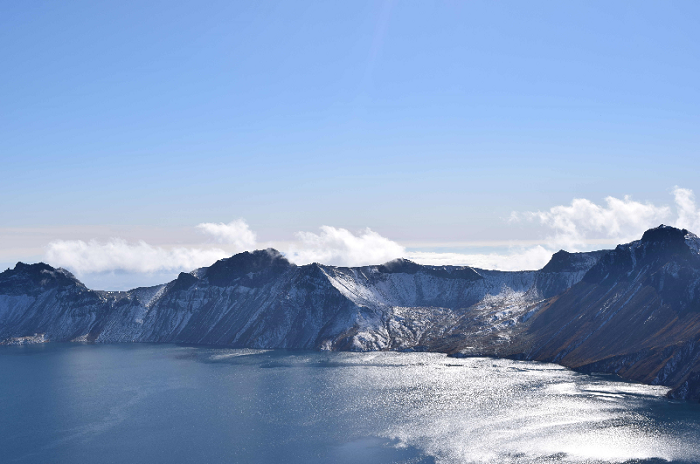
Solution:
(618, 220)
(341, 247)
(119, 255)
(571, 227)
(519, 259)
(140, 257)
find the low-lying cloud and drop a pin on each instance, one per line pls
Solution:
(116, 254)
(340, 247)
(618, 220)
(519, 259)
(119, 255)
(572, 227)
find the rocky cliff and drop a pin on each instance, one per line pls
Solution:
(634, 310)
(636, 313)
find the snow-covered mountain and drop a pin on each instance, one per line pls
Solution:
(260, 299)
(634, 310)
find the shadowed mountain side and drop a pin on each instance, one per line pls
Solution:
(260, 299)
(634, 310)
(636, 313)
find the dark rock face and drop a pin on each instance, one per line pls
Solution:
(400, 266)
(666, 238)
(41, 288)
(260, 299)
(688, 389)
(35, 278)
(635, 313)
(634, 310)
(564, 269)
(183, 282)
(563, 261)
(256, 266)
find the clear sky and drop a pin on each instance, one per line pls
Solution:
(428, 122)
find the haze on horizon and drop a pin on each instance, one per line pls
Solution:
(139, 140)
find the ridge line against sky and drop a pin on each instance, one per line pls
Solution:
(575, 227)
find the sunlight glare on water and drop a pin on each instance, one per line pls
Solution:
(485, 410)
(147, 403)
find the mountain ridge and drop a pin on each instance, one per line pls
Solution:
(633, 310)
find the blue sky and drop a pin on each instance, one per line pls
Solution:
(428, 122)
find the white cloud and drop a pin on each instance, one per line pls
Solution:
(573, 227)
(335, 246)
(688, 214)
(341, 247)
(236, 233)
(119, 255)
(522, 259)
(619, 220)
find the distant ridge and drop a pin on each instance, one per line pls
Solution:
(633, 311)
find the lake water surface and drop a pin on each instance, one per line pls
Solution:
(70, 403)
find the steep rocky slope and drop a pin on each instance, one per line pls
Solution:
(634, 310)
(635, 313)
(260, 299)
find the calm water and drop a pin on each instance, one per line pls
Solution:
(174, 404)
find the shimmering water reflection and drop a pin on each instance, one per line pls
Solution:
(165, 403)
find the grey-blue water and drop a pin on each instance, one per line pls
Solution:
(70, 403)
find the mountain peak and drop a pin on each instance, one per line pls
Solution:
(400, 266)
(35, 276)
(664, 233)
(665, 240)
(564, 261)
(660, 246)
(268, 261)
(672, 235)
